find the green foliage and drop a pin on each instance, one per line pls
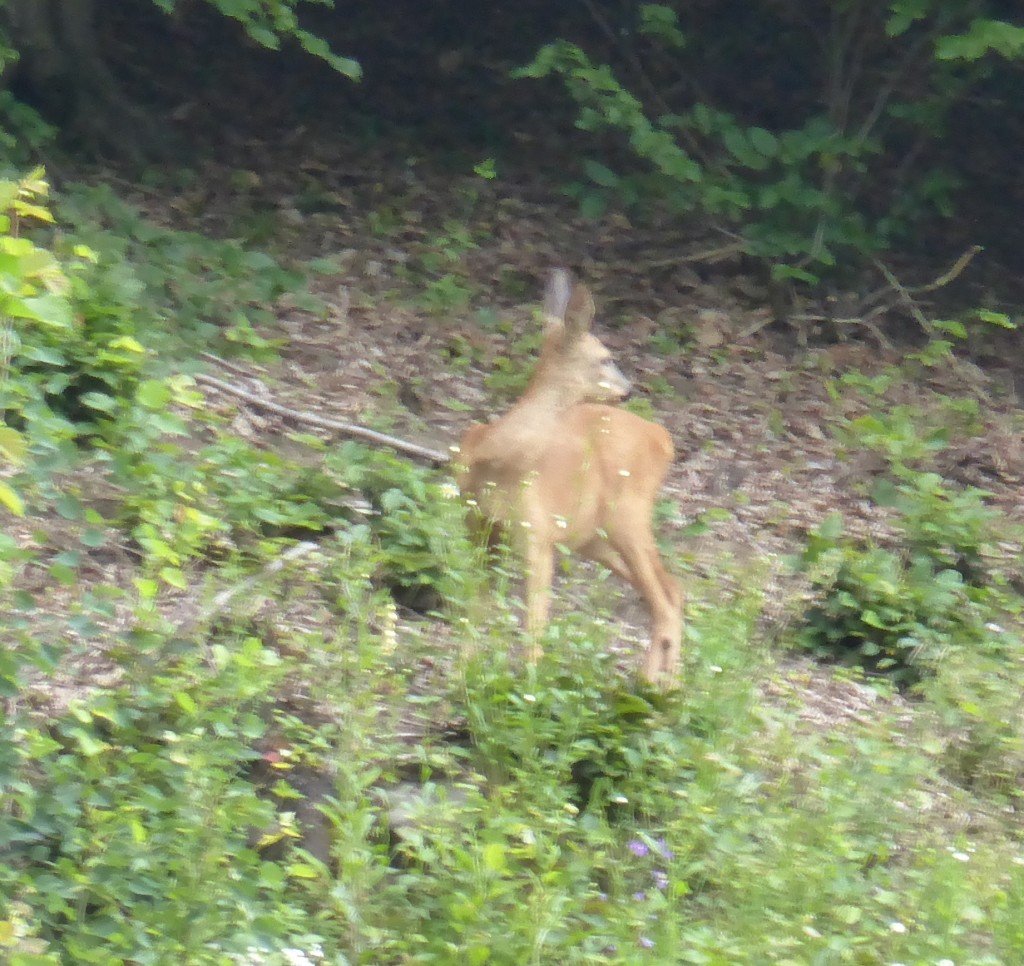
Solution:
(126, 822)
(268, 23)
(899, 612)
(448, 289)
(417, 525)
(908, 437)
(947, 528)
(881, 613)
(800, 183)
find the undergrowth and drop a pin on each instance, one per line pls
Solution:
(309, 771)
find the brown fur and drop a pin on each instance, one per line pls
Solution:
(562, 467)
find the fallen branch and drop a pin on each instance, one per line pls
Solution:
(951, 273)
(904, 292)
(220, 603)
(432, 456)
(904, 296)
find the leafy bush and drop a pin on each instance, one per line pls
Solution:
(417, 525)
(948, 528)
(807, 177)
(899, 611)
(126, 822)
(878, 612)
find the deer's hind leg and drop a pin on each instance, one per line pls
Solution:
(639, 562)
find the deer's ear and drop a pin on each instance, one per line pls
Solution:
(557, 295)
(579, 313)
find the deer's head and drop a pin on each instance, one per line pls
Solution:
(572, 357)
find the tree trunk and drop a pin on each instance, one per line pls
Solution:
(61, 73)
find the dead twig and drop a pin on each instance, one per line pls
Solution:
(414, 450)
(950, 275)
(667, 261)
(221, 601)
(225, 364)
(904, 296)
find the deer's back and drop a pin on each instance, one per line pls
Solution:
(571, 475)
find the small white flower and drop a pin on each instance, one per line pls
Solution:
(449, 490)
(624, 473)
(945, 962)
(620, 800)
(961, 856)
(561, 523)
(454, 448)
(715, 669)
(471, 502)
(529, 698)
(812, 932)
(525, 524)
(897, 927)
(994, 628)
(571, 809)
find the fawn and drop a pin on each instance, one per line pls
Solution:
(562, 467)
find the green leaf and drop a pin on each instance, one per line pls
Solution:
(831, 527)
(593, 205)
(660, 20)
(12, 445)
(100, 401)
(996, 318)
(764, 141)
(153, 394)
(186, 702)
(41, 353)
(600, 174)
(48, 309)
(174, 577)
(10, 499)
(127, 342)
(494, 857)
(486, 169)
(981, 37)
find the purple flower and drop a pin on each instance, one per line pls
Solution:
(660, 879)
(646, 943)
(638, 848)
(639, 896)
(663, 850)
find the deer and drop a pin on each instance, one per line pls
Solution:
(565, 466)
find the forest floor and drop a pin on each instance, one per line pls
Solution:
(428, 324)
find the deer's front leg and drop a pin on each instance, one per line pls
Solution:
(540, 569)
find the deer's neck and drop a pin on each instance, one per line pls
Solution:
(529, 426)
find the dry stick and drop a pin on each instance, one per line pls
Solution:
(905, 291)
(667, 261)
(225, 364)
(436, 457)
(905, 296)
(954, 270)
(221, 601)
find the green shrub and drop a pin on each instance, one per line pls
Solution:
(804, 174)
(900, 611)
(878, 611)
(949, 528)
(417, 525)
(126, 822)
